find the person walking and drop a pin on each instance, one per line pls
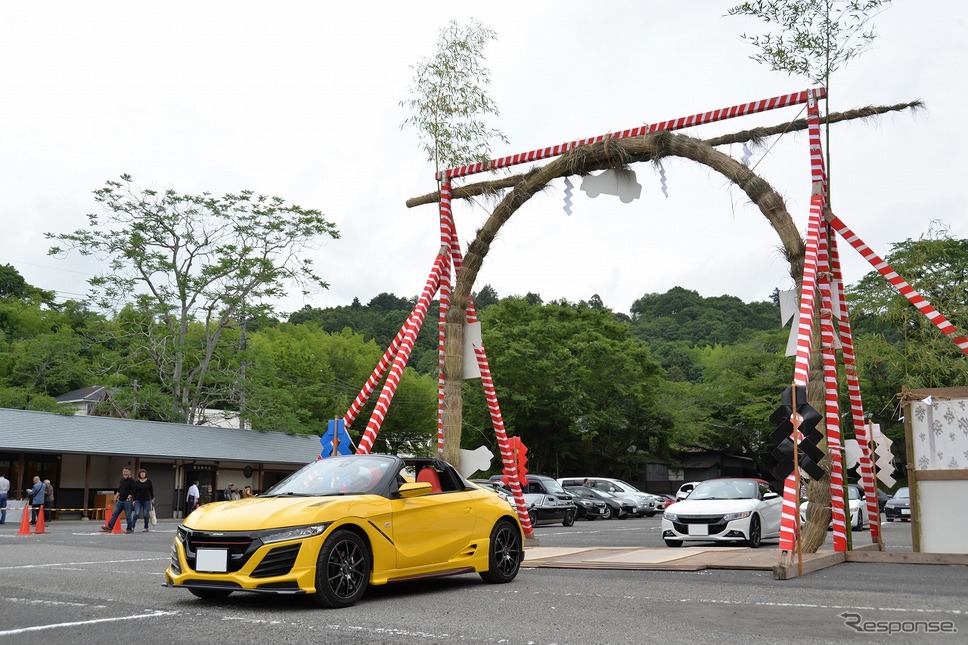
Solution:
(144, 498)
(192, 500)
(36, 498)
(48, 499)
(4, 492)
(122, 502)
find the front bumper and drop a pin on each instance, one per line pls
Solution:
(706, 529)
(280, 568)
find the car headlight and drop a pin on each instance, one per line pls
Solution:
(292, 533)
(672, 517)
(729, 517)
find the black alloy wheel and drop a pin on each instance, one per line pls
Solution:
(342, 570)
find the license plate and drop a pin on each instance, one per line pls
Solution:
(905, 511)
(212, 560)
(698, 529)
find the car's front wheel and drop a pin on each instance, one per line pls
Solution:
(756, 535)
(504, 555)
(211, 594)
(342, 570)
(650, 514)
(569, 518)
(608, 513)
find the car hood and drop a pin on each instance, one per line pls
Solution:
(278, 512)
(712, 506)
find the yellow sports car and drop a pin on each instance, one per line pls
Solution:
(343, 523)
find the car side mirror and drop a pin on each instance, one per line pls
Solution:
(414, 489)
(770, 495)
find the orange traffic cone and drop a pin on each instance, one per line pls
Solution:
(117, 525)
(25, 522)
(40, 529)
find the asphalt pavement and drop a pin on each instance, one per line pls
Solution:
(77, 584)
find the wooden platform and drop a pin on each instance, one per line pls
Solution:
(719, 557)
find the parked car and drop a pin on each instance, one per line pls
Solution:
(497, 488)
(899, 506)
(645, 504)
(724, 510)
(547, 501)
(857, 503)
(669, 501)
(882, 498)
(589, 508)
(615, 507)
(684, 490)
(322, 531)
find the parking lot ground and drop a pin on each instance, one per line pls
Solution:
(720, 557)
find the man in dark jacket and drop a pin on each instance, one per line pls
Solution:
(123, 499)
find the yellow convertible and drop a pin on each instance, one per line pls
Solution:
(343, 523)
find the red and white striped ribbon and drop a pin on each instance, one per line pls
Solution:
(403, 355)
(711, 116)
(856, 402)
(899, 284)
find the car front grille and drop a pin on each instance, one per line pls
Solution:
(716, 523)
(240, 546)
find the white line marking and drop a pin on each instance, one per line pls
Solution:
(75, 564)
(38, 628)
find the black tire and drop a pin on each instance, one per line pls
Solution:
(534, 518)
(756, 533)
(650, 514)
(504, 554)
(569, 519)
(860, 519)
(675, 544)
(888, 518)
(211, 594)
(342, 570)
(609, 515)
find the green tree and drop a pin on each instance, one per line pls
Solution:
(815, 37)
(187, 258)
(897, 346)
(572, 382)
(449, 98)
(13, 285)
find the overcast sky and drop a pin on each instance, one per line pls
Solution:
(300, 100)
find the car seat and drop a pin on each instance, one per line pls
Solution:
(429, 475)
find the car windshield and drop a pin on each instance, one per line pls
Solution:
(724, 489)
(553, 486)
(853, 492)
(902, 493)
(348, 475)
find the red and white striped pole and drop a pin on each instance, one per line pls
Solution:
(789, 521)
(447, 233)
(507, 453)
(856, 403)
(899, 284)
(400, 362)
(831, 398)
(763, 105)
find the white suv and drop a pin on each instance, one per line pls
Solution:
(645, 503)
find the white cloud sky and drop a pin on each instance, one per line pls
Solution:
(300, 100)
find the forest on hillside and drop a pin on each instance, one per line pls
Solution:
(586, 388)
